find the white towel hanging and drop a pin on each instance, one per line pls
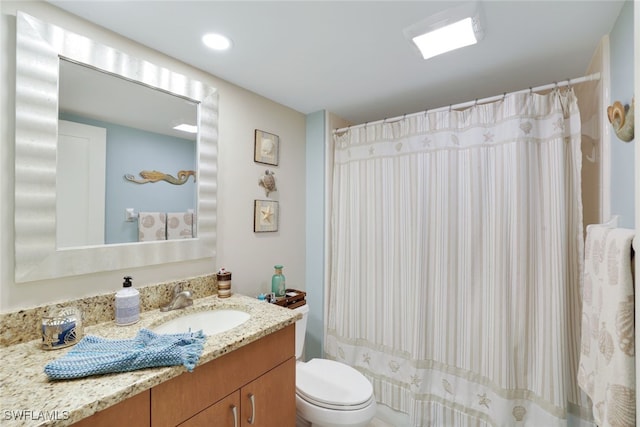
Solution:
(607, 358)
(152, 226)
(179, 225)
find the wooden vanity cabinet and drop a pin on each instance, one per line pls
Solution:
(264, 369)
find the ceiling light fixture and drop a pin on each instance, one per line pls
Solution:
(216, 41)
(187, 128)
(446, 31)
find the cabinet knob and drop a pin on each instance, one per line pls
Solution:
(252, 418)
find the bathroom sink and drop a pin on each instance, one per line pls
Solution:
(211, 322)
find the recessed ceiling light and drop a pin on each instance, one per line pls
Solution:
(187, 128)
(216, 41)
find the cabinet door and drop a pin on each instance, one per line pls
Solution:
(270, 400)
(225, 413)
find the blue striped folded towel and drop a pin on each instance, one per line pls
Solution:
(95, 355)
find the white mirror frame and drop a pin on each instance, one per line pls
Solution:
(39, 46)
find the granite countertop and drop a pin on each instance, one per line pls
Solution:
(29, 398)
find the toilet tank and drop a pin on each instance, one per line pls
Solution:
(301, 329)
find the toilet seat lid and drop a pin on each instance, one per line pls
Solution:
(332, 384)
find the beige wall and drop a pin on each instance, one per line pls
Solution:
(249, 256)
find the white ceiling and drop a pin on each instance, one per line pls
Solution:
(351, 57)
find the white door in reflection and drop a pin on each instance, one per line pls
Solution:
(80, 184)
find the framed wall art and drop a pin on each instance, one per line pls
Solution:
(266, 148)
(265, 216)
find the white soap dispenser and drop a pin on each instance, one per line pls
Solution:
(127, 304)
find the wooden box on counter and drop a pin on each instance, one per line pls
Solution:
(293, 298)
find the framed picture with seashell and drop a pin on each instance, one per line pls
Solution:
(266, 148)
(265, 216)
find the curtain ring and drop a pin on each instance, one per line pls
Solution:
(475, 104)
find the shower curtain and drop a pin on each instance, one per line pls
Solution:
(455, 259)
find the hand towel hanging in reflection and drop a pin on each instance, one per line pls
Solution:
(152, 226)
(179, 225)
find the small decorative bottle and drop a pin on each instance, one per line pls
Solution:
(278, 285)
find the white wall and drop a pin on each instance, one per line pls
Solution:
(249, 256)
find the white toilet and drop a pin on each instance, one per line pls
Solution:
(329, 393)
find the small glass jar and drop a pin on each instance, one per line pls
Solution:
(278, 285)
(61, 327)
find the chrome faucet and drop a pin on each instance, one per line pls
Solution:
(181, 299)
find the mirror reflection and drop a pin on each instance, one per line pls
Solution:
(120, 155)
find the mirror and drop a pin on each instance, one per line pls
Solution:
(111, 128)
(39, 49)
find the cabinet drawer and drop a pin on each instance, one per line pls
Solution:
(176, 400)
(133, 411)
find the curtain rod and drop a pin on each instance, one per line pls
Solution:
(568, 82)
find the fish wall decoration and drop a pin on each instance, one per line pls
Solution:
(155, 176)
